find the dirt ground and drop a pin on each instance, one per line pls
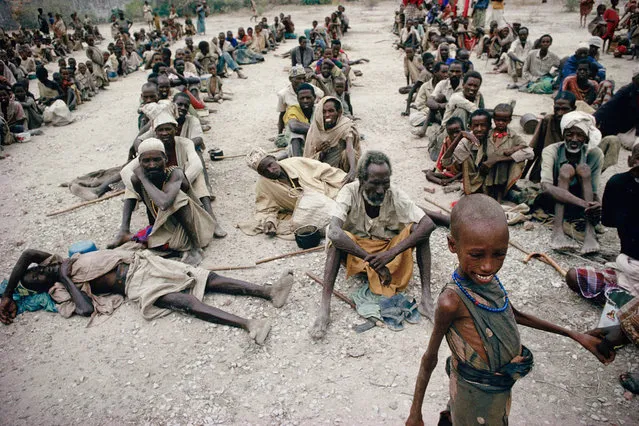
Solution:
(179, 370)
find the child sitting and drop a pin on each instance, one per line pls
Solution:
(445, 175)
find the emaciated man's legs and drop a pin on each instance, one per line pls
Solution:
(559, 240)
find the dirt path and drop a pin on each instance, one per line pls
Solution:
(178, 370)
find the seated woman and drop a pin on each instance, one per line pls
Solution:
(333, 138)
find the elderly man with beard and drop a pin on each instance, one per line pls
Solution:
(188, 127)
(374, 228)
(177, 220)
(278, 179)
(570, 175)
(180, 152)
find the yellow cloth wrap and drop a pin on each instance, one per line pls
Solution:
(401, 268)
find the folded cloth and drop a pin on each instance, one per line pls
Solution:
(495, 381)
(28, 300)
(392, 310)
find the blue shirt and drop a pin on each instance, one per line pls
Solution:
(481, 4)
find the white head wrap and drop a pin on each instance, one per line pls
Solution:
(583, 45)
(165, 116)
(151, 144)
(585, 122)
(296, 70)
(596, 41)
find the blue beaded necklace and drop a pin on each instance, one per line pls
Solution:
(456, 278)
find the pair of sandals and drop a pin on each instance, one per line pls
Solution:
(397, 309)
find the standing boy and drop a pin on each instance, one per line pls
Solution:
(480, 324)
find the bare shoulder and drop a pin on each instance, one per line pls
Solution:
(448, 305)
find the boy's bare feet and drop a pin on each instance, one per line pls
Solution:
(258, 330)
(193, 257)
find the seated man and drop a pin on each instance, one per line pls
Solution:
(619, 285)
(445, 175)
(570, 174)
(580, 85)
(288, 96)
(297, 119)
(278, 180)
(11, 111)
(513, 60)
(177, 220)
(374, 228)
(302, 54)
(421, 112)
(491, 161)
(461, 104)
(548, 132)
(620, 115)
(333, 138)
(424, 77)
(180, 152)
(438, 100)
(539, 63)
(413, 67)
(325, 80)
(156, 284)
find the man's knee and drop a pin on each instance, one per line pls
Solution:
(583, 171)
(571, 279)
(566, 172)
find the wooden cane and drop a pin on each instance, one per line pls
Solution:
(341, 296)
(295, 253)
(546, 259)
(228, 268)
(86, 203)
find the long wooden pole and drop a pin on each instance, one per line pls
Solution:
(337, 293)
(86, 203)
(294, 253)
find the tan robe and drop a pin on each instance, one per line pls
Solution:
(275, 202)
(336, 138)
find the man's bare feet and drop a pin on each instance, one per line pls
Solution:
(318, 330)
(120, 239)
(193, 257)
(562, 243)
(258, 330)
(427, 309)
(219, 232)
(281, 290)
(590, 245)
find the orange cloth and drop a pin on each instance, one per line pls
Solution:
(401, 268)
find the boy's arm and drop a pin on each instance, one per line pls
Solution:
(445, 314)
(591, 343)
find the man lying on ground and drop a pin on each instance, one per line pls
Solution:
(276, 188)
(157, 285)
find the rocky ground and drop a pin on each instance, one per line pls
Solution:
(179, 370)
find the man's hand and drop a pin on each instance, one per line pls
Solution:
(472, 138)
(597, 346)
(350, 177)
(138, 172)
(593, 211)
(8, 310)
(269, 229)
(323, 146)
(385, 276)
(379, 260)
